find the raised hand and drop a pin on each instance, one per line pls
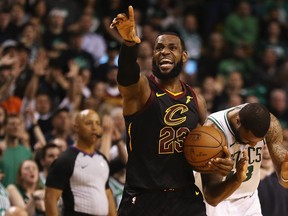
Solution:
(241, 167)
(126, 26)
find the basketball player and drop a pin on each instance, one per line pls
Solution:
(80, 174)
(247, 128)
(159, 111)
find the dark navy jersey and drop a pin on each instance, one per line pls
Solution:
(83, 178)
(155, 139)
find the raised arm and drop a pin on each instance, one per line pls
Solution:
(133, 87)
(278, 152)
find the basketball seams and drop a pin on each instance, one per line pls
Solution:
(202, 144)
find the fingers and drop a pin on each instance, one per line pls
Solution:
(226, 152)
(118, 20)
(131, 12)
(245, 154)
(222, 166)
(137, 39)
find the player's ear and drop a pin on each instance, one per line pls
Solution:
(185, 56)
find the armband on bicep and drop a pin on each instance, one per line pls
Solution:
(128, 68)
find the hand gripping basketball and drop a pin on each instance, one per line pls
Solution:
(202, 145)
(126, 26)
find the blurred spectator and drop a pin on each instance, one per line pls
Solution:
(118, 155)
(232, 92)
(39, 11)
(145, 57)
(271, 14)
(60, 143)
(25, 192)
(5, 29)
(55, 36)
(273, 197)
(278, 106)
(18, 19)
(97, 97)
(100, 72)
(3, 117)
(42, 109)
(162, 14)
(29, 38)
(6, 84)
(273, 39)
(14, 152)
(48, 154)
(111, 9)
(241, 27)
(238, 61)
(4, 200)
(72, 9)
(215, 13)
(209, 91)
(283, 76)
(92, 42)
(267, 72)
(149, 33)
(112, 95)
(189, 32)
(76, 53)
(61, 126)
(214, 51)
(37, 139)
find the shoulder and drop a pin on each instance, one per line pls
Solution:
(202, 107)
(275, 130)
(12, 189)
(67, 157)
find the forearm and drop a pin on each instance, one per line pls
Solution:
(51, 208)
(32, 86)
(39, 134)
(112, 204)
(128, 68)
(216, 192)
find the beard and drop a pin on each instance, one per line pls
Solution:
(172, 74)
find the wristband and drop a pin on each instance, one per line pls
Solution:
(284, 180)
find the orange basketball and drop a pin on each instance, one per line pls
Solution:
(201, 145)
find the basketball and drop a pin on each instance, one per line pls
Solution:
(201, 145)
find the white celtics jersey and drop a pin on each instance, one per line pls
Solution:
(250, 184)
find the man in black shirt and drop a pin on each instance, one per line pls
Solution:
(80, 175)
(159, 112)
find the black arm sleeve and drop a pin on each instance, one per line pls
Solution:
(128, 68)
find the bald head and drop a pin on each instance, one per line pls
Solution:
(83, 114)
(88, 126)
(16, 211)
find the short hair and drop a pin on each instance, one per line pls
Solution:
(255, 117)
(46, 147)
(177, 35)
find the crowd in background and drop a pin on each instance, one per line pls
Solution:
(60, 56)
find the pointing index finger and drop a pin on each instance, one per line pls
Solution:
(131, 12)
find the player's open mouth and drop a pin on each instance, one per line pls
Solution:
(165, 64)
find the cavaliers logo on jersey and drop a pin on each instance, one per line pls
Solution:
(174, 114)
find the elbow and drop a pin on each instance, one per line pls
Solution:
(212, 202)
(211, 198)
